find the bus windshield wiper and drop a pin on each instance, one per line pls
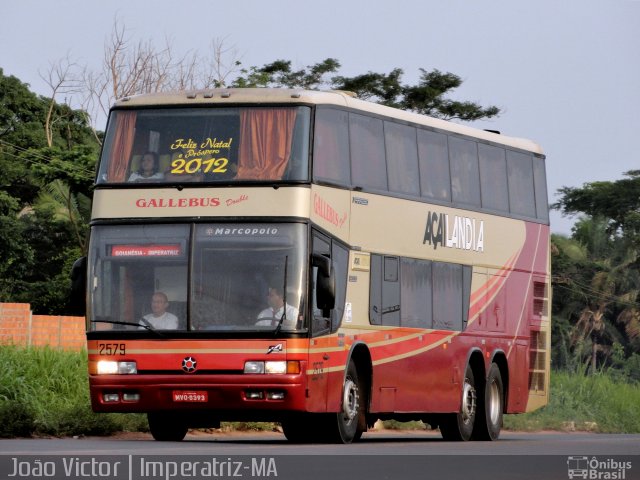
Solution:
(145, 324)
(284, 299)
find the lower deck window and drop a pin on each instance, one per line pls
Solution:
(419, 293)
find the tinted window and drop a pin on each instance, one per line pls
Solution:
(368, 166)
(539, 177)
(331, 146)
(415, 293)
(384, 295)
(521, 196)
(433, 153)
(340, 258)
(493, 178)
(465, 179)
(402, 158)
(447, 296)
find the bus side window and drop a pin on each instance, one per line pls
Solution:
(384, 294)
(320, 324)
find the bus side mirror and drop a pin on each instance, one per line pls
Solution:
(325, 284)
(78, 298)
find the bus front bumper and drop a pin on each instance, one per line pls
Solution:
(233, 393)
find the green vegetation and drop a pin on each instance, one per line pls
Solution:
(46, 392)
(599, 403)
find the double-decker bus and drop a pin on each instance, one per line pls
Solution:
(313, 259)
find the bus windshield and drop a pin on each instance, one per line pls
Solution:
(206, 145)
(203, 277)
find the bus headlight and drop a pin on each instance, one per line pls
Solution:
(110, 367)
(272, 367)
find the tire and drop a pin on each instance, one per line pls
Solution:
(459, 426)
(491, 407)
(301, 428)
(347, 425)
(165, 427)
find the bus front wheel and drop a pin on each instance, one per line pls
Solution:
(164, 428)
(346, 426)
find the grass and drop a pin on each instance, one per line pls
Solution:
(598, 403)
(45, 392)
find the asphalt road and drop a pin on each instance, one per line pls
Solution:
(387, 454)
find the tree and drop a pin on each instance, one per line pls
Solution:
(427, 97)
(596, 296)
(44, 146)
(131, 68)
(617, 202)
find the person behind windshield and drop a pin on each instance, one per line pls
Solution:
(273, 314)
(149, 169)
(159, 318)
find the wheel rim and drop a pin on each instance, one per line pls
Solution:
(350, 400)
(468, 403)
(494, 403)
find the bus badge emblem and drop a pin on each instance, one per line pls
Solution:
(189, 364)
(274, 348)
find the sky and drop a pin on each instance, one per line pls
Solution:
(566, 74)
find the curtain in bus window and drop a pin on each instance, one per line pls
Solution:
(447, 296)
(265, 143)
(493, 178)
(331, 146)
(402, 158)
(415, 293)
(122, 144)
(368, 166)
(521, 193)
(433, 153)
(465, 177)
(539, 177)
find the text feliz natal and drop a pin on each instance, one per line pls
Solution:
(454, 232)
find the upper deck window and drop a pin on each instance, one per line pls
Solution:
(176, 145)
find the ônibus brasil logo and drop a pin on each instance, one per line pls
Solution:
(454, 232)
(596, 468)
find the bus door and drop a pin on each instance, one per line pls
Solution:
(319, 357)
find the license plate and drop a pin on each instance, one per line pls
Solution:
(190, 396)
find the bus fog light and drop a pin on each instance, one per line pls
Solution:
(254, 395)
(110, 397)
(131, 397)
(254, 367)
(275, 395)
(275, 367)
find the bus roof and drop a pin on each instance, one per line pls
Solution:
(231, 96)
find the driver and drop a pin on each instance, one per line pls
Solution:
(159, 318)
(273, 314)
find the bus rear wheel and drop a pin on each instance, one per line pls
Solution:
(490, 411)
(165, 428)
(459, 426)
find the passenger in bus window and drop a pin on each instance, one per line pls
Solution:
(159, 318)
(149, 169)
(276, 309)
